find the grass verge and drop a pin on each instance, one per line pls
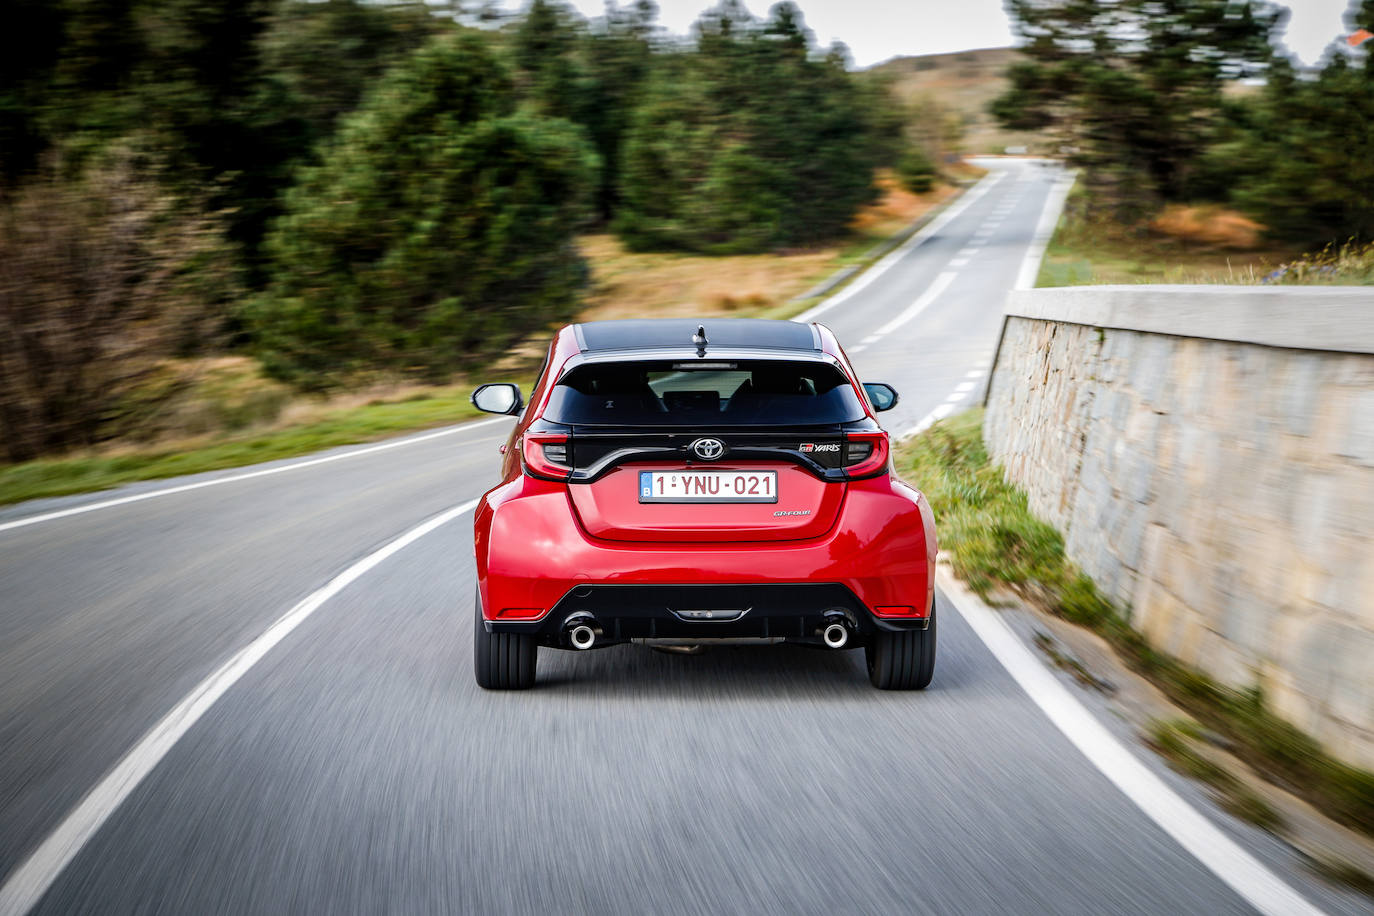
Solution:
(1347, 873)
(993, 541)
(1088, 249)
(1178, 742)
(329, 428)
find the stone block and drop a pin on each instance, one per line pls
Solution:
(1348, 744)
(1358, 443)
(1350, 682)
(1226, 662)
(1150, 367)
(1247, 619)
(1301, 383)
(1293, 705)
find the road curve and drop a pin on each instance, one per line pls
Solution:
(356, 768)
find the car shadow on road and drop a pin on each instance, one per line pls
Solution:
(774, 672)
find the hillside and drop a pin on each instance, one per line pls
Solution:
(965, 82)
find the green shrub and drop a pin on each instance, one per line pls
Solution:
(747, 142)
(915, 170)
(438, 227)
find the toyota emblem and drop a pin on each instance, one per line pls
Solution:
(708, 449)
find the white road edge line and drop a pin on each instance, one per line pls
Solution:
(926, 422)
(31, 880)
(901, 251)
(933, 291)
(168, 491)
(1044, 231)
(1245, 874)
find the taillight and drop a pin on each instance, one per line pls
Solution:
(865, 454)
(546, 455)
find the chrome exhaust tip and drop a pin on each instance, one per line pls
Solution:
(835, 635)
(582, 636)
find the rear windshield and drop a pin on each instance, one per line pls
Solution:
(664, 393)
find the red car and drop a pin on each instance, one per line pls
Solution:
(678, 483)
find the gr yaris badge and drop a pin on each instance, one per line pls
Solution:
(707, 449)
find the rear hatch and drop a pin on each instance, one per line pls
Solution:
(760, 489)
(722, 452)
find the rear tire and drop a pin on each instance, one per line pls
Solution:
(501, 661)
(904, 660)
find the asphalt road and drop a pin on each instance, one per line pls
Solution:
(356, 767)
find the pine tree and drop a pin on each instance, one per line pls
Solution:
(1134, 88)
(437, 228)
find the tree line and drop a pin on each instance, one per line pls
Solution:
(1192, 100)
(343, 187)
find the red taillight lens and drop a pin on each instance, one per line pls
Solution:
(900, 611)
(865, 454)
(546, 455)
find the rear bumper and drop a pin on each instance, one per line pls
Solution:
(795, 612)
(536, 567)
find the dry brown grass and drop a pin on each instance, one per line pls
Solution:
(1213, 226)
(897, 207)
(1202, 244)
(666, 285)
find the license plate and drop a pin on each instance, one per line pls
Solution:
(708, 486)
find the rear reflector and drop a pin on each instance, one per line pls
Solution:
(520, 613)
(899, 611)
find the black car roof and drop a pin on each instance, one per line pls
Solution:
(677, 333)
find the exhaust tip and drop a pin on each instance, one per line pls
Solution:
(835, 635)
(582, 636)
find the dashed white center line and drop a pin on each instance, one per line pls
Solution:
(858, 348)
(969, 251)
(959, 262)
(963, 388)
(871, 338)
(975, 373)
(930, 295)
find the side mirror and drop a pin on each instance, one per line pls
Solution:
(882, 395)
(499, 397)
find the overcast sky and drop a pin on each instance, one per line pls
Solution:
(878, 29)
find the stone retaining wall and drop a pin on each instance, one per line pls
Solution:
(1208, 453)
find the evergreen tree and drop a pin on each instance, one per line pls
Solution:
(617, 53)
(1134, 88)
(1305, 161)
(437, 228)
(749, 141)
